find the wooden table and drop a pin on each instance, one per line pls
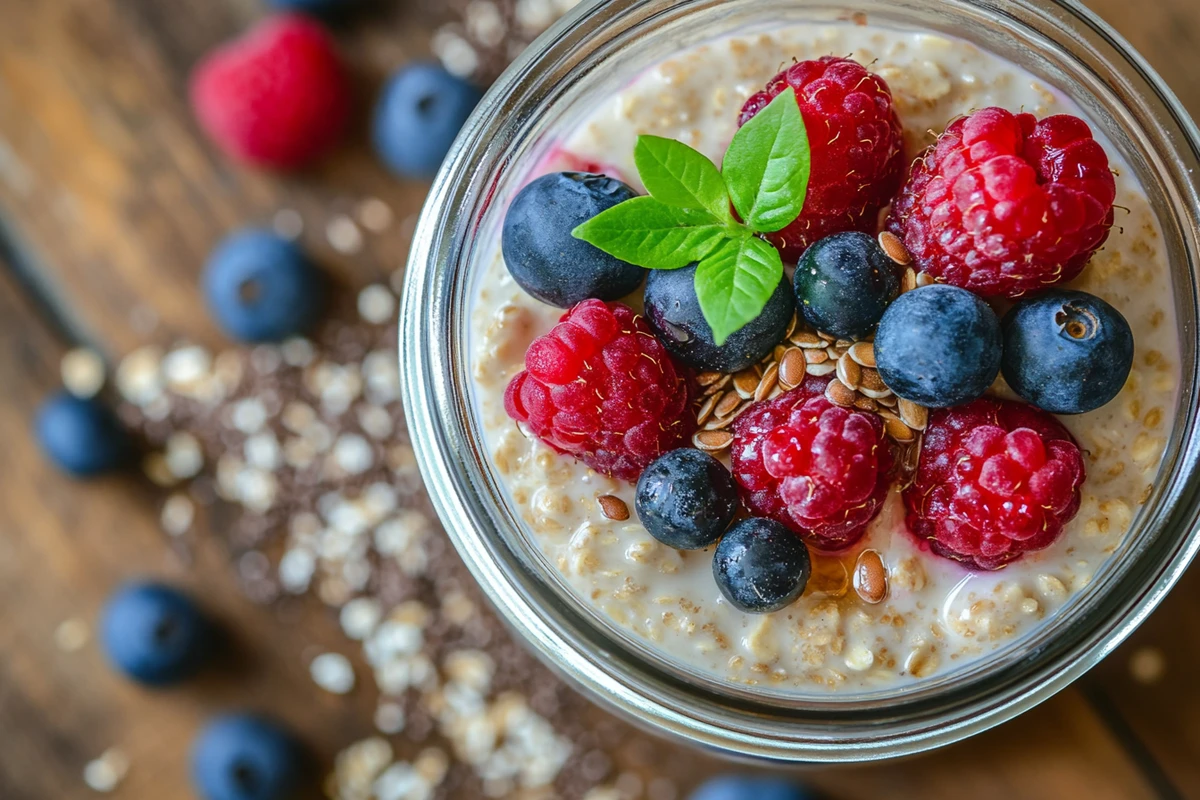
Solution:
(109, 201)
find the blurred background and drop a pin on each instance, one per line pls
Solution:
(275, 486)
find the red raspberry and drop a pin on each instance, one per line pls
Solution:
(277, 97)
(820, 469)
(601, 388)
(1005, 204)
(856, 142)
(996, 480)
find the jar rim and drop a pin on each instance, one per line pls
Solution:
(432, 356)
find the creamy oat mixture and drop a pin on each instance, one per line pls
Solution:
(937, 616)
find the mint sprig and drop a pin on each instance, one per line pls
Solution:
(687, 217)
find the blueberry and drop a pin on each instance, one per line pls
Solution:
(938, 346)
(81, 437)
(420, 110)
(260, 287)
(154, 634)
(843, 284)
(761, 566)
(244, 757)
(1066, 352)
(674, 314)
(543, 256)
(750, 787)
(686, 499)
(318, 7)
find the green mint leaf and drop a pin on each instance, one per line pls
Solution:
(680, 176)
(767, 165)
(734, 282)
(651, 234)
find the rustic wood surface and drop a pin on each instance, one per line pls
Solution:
(109, 201)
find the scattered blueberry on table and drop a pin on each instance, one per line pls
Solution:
(844, 283)
(81, 436)
(686, 499)
(419, 112)
(938, 346)
(245, 757)
(761, 566)
(673, 311)
(542, 255)
(154, 634)
(1065, 351)
(260, 287)
(746, 787)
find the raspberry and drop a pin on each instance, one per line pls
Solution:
(820, 469)
(856, 142)
(278, 97)
(601, 388)
(1003, 204)
(997, 479)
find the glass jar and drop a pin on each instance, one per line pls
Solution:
(585, 58)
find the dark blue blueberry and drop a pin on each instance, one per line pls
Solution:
(750, 787)
(420, 111)
(938, 346)
(674, 313)
(154, 634)
(542, 255)
(1066, 352)
(843, 284)
(260, 287)
(243, 757)
(322, 8)
(81, 437)
(761, 566)
(686, 499)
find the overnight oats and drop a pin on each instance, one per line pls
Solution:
(829, 378)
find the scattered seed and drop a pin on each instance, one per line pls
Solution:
(816, 356)
(908, 281)
(863, 403)
(718, 386)
(712, 441)
(767, 384)
(791, 368)
(821, 369)
(870, 577)
(709, 378)
(849, 372)
(826, 336)
(863, 354)
(872, 385)
(898, 430)
(745, 382)
(792, 327)
(839, 393)
(727, 404)
(806, 340)
(706, 409)
(333, 673)
(913, 415)
(82, 372)
(925, 279)
(894, 248)
(613, 507)
(888, 400)
(777, 353)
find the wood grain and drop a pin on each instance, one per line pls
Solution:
(114, 201)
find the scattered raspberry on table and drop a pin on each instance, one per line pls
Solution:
(277, 97)
(996, 479)
(601, 388)
(1005, 204)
